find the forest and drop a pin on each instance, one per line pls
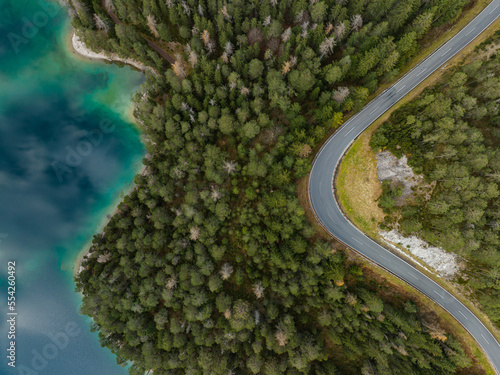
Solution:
(209, 265)
(451, 134)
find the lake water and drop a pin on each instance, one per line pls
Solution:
(67, 150)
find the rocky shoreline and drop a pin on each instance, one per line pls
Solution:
(81, 48)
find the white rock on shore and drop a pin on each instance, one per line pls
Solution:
(81, 48)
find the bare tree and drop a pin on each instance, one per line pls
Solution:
(210, 46)
(305, 151)
(356, 22)
(258, 290)
(172, 282)
(80, 8)
(305, 26)
(286, 34)
(225, 13)
(328, 28)
(104, 258)
(351, 299)
(341, 94)
(194, 233)
(206, 37)
(326, 47)
(299, 17)
(257, 316)
(100, 24)
(193, 58)
(186, 8)
(281, 335)
(230, 166)
(340, 30)
(229, 48)
(286, 67)
(152, 25)
(226, 271)
(215, 194)
(110, 7)
(178, 69)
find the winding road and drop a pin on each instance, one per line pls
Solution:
(328, 212)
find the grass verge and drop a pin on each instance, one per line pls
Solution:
(357, 186)
(358, 191)
(397, 289)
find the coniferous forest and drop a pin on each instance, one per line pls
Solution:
(452, 136)
(209, 266)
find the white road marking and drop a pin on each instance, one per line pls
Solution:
(494, 9)
(448, 50)
(401, 88)
(461, 313)
(374, 110)
(438, 294)
(485, 339)
(388, 261)
(350, 130)
(412, 275)
(423, 70)
(471, 30)
(357, 240)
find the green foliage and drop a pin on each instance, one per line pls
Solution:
(210, 266)
(449, 135)
(255, 68)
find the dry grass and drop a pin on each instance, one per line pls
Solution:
(353, 180)
(356, 183)
(357, 186)
(439, 37)
(367, 187)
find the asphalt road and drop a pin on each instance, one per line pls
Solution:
(329, 214)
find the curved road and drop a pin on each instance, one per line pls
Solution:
(330, 215)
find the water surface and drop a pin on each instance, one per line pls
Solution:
(56, 183)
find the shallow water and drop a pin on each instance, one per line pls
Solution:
(56, 183)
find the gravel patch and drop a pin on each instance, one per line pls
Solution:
(446, 264)
(391, 168)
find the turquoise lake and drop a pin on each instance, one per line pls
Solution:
(67, 151)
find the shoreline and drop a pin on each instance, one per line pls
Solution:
(80, 50)
(106, 217)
